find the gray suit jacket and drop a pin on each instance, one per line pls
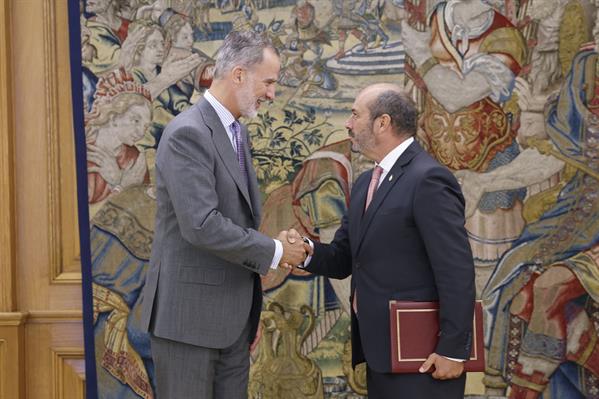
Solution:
(202, 285)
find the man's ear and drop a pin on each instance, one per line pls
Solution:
(238, 74)
(384, 121)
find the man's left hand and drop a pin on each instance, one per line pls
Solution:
(445, 369)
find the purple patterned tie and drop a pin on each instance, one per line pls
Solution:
(236, 129)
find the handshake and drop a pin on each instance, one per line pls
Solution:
(295, 249)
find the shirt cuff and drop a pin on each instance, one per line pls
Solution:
(276, 259)
(454, 359)
(308, 257)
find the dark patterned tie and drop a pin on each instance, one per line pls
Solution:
(236, 129)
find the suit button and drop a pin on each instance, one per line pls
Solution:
(357, 265)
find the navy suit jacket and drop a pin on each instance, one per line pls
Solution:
(411, 244)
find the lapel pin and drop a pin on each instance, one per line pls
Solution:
(390, 177)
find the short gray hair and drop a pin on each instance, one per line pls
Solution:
(399, 107)
(241, 48)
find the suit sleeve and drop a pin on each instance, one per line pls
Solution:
(185, 162)
(439, 216)
(333, 260)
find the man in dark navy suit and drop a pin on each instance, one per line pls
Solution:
(402, 238)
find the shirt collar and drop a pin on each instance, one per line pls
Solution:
(392, 157)
(225, 116)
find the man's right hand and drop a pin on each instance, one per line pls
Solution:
(294, 251)
(444, 368)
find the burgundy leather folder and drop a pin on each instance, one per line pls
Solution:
(414, 334)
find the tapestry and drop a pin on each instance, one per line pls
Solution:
(508, 100)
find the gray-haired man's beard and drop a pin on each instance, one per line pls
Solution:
(247, 102)
(249, 112)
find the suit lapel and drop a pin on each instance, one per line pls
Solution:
(253, 188)
(385, 187)
(356, 208)
(224, 148)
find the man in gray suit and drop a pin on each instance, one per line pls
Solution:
(203, 296)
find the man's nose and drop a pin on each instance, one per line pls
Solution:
(348, 123)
